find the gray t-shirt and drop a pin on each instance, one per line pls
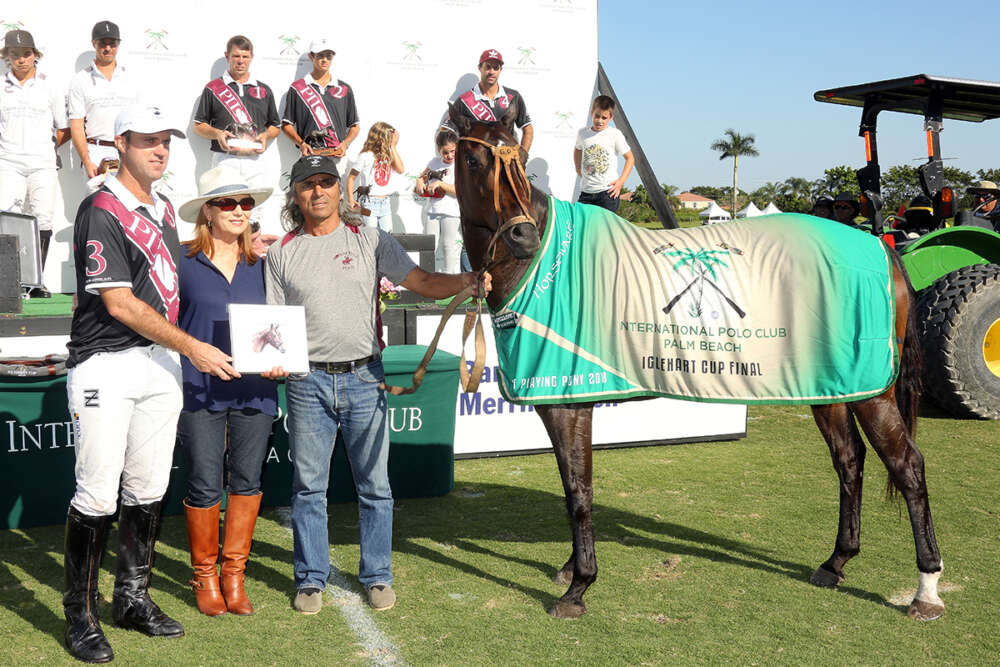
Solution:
(336, 278)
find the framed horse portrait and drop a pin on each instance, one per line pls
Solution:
(263, 337)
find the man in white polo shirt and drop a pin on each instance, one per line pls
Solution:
(96, 95)
(32, 125)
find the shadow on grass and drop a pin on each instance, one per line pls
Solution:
(540, 516)
(28, 552)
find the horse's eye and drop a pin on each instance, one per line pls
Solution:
(472, 161)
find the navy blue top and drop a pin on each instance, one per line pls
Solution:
(204, 294)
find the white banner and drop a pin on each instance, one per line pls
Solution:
(403, 59)
(486, 423)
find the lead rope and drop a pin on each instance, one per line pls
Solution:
(469, 379)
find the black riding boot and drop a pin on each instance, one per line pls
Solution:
(138, 528)
(44, 238)
(85, 540)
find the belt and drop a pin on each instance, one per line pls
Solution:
(334, 367)
(101, 142)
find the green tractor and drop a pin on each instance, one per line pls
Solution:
(955, 268)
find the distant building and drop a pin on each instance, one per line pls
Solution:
(693, 201)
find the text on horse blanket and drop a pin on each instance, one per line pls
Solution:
(783, 308)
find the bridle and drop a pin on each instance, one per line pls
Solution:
(507, 159)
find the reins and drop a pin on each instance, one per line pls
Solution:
(506, 159)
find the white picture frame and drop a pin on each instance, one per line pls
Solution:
(25, 228)
(263, 337)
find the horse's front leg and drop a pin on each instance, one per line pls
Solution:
(569, 428)
(847, 450)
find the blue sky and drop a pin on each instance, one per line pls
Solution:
(685, 72)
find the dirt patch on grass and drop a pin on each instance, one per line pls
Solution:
(903, 597)
(663, 571)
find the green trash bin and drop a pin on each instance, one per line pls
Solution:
(421, 424)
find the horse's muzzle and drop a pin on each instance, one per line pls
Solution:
(522, 237)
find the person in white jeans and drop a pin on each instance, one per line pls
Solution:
(32, 125)
(437, 183)
(124, 384)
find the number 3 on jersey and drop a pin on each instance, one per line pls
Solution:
(95, 259)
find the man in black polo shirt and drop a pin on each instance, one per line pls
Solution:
(488, 100)
(320, 113)
(231, 103)
(124, 384)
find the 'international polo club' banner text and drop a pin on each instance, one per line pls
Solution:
(778, 309)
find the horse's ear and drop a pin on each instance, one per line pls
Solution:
(461, 122)
(509, 117)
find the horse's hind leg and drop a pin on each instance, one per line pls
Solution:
(848, 452)
(569, 429)
(882, 423)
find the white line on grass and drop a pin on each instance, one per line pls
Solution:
(354, 609)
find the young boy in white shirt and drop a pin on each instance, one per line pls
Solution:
(596, 157)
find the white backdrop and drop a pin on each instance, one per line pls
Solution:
(404, 60)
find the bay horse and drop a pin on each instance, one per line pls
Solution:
(503, 219)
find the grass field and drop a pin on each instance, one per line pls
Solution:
(705, 551)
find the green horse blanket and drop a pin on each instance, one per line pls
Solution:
(776, 309)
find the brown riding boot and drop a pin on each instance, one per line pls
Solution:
(241, 517)
(203, 534)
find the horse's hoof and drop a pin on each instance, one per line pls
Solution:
(567, 610)
(925, 611)
(825, 578)
(564, 577)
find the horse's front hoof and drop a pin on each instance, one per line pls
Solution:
(567, 610)
(825, 578)
(564, 577)
(925, 611)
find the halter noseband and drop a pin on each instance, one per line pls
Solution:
(508, 160)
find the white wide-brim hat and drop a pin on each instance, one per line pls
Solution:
(222, 181)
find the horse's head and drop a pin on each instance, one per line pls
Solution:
(493, 190)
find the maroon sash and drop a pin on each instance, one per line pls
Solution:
(480, 110)
(317, 109)
(147, 237)
(230, 100)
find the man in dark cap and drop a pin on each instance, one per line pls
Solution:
(918, 218)
(846, 208)
(96, 95)
(333, 269)
(32, 117)
(823, 208)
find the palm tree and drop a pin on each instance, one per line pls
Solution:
(735, 145)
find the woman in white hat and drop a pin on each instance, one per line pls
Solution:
(220, 267)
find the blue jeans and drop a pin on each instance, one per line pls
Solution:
(318, 405)
(602, 199)
(209, 454)
(381, 216)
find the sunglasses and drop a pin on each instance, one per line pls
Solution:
(843, 207)
(982, 196)
(230, 204)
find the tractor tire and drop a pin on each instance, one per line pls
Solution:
(959, 321)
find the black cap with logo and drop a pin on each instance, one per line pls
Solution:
(18, 39)
(313, 164)
(105, 30)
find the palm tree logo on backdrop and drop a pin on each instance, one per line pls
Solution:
(289, 42)
(702, 264)
(7, 26)
(526, 53)
(156, 37)
(411, 50)
(563, 119)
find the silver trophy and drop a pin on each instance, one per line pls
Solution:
(244, 136)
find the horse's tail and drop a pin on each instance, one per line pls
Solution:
(908, 384)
